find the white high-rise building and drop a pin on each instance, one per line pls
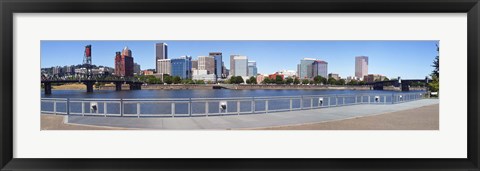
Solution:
(164, 66)
(161, 52)
(241, 65)
(361, 66)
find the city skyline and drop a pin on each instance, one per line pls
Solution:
(408, 59)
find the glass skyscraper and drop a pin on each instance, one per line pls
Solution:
(252, 68)
(217, 56)
(182, 67)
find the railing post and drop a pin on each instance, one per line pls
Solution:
(238, 107)
(173, 109)
(355, 99)
(266, 106)
(329, 101)
(368, 99)
(83, 108)
(121, 107)
(393, 96)
(253, 104)
(138, 109)
(361, 99)
(311, 103)
(206, 108)
(68, 106)
(301, 102)
(343, 98)
(55, 106)
(291, 104)
(105, 109)
(336, 100)
(384, 99)
(189, 106)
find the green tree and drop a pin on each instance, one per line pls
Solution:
(278, 79)
(341, 82)
(239, 80)
(247, 81)
(436, 65)
(332, 81)
(199, 82)
(289, 80)
(266, 81)
(188, 81)
(434, 85)
(167, 79)
(353, 82)
(385, 79)
(176, 80)
(319, 79)
(253, 80)
(305, 81)
(296, 81)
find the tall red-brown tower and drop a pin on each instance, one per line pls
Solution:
(124, 63)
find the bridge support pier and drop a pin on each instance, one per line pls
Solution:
(48, 88)
(118, 86)
(405, 87)
(378, 86)
(89, 86)
(135, 86)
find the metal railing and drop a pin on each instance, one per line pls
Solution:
(189, 107)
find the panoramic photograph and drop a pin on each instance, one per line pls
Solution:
(239, 85)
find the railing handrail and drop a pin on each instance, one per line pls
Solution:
(228, 98)
(257, 104)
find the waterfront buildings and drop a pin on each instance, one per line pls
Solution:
(136, 69)
(194, 64)
(206, 63)
(287, 73)
(203, 75)
(218, 70)
(334, 76)
(224, 71)
(232, 65)
(148, 72)
(260, 78)
(252, 68)
(164, 66)
(240, 65)
(304, 69)
(182, 67)
(161, 52)
(124, 63)
(373, 77)
(320, 68)
(274, 76)
(361, 66)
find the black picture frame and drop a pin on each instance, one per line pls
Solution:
(9, 7)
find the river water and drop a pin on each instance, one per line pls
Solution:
(202, 107)
(218, 93)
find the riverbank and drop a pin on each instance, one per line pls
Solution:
(241, 87)
(80, 86)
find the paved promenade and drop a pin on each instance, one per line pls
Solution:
(251, 121)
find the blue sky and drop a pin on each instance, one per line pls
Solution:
(408, 59)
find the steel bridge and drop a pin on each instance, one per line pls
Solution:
(404, 84)
(134, 85)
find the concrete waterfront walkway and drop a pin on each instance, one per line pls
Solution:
(250, 121)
